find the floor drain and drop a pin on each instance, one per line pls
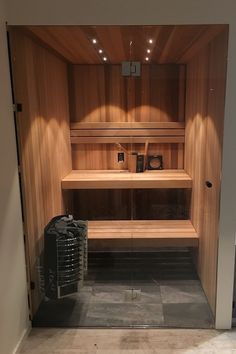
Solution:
(132, 294)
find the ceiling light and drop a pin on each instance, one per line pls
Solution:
(104, 58)
(94, 40)
(100, 51)
(148, 50)
(146, 58)
(150, 41)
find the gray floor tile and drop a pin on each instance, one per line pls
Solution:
(187, 315)
(180, 282)
(182, 293)
(104, 293)
(128, 282)
(164, 277)
(69, 311)
(124, 314)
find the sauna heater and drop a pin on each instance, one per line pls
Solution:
(65, 256)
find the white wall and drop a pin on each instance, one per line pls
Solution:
(120, 11)
(14, 319)
(164, 12)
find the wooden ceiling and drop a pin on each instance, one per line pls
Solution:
(171, 44)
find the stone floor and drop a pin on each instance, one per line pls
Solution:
(129, 341)
(158, 289)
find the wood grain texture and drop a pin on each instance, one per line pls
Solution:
(182, 92)
(170, 43)
(127, 125)
(126, 180)
(107, 108)
(125, 132)
(64, 40)
(213, 161)
(157, 204)
(40, 85)
(196, 134)
(100, 98)
(127, 140)
(136, 204)
(102, 204)
(96, 156)
(206, 76)
(205, 37)
(99, 93)
(146, 234)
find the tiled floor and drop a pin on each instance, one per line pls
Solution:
(133, 290)
(129, 341)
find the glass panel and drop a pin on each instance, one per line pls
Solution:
(131, 133)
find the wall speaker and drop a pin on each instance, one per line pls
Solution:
(155, 162)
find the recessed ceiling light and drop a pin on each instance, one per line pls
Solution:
(148, 50)
(100, 51)
(94, 40)
(146, 58)
(150, 41)
(104, 58)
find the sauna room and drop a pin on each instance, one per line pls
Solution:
(119, 133)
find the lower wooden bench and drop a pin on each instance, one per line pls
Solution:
(145, 234)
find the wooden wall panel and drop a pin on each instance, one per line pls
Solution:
(126, 204)
(104, 156)
(103, 204)
(213, 161)
(155, 95)
(99, 93)
(40, 84)
(195, 138)
(206, 76)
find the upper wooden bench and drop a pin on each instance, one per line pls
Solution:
(116, 179)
